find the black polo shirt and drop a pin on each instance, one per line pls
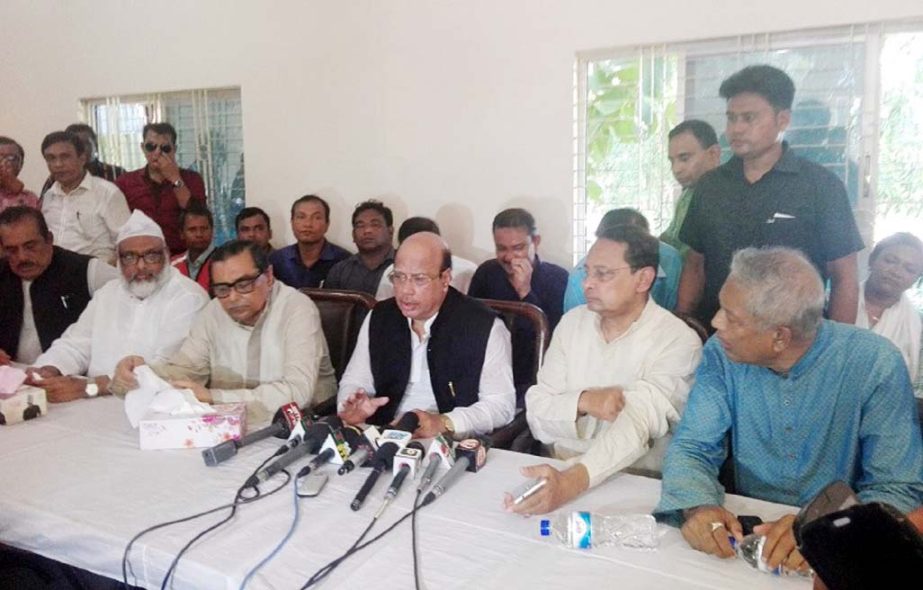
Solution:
(797, 204)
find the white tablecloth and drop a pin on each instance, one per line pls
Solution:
(76, 488)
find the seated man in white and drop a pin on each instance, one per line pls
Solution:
(462, 268)
(258, 341)
(430, 350)
(147, 312)
(615, 377)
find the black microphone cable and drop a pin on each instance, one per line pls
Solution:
(239, 499)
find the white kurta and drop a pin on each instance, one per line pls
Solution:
(116, 324)
(496, 405)
(462, 271)
(900, 324)
(654, 361)
(30, 347)
(88, 219)
(282, 359)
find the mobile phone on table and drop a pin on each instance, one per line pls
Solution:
(527, 489)
(311, 485)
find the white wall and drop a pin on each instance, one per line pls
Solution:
(451, 109)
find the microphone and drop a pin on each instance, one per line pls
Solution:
(470, 455)
(390, 443)
(286, 418)
(321, 458)
(405, 463)
(440, 451)
(312, 441)
(361, 447)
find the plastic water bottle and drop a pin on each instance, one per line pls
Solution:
(750, 549)
(584, 530)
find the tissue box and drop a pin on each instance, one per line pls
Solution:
(163, 431)
(28, 402)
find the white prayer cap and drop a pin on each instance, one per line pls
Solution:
(137, 225)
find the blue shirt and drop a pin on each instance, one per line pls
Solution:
(288, 267)
(663, 291)
(845, 411)
(547, 292)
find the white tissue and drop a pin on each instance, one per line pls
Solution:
(153, 394)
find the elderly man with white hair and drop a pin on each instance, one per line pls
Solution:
(799, 400)
(147, 312)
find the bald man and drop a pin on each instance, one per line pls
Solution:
(430, 350)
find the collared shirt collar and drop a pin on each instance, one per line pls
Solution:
(426, 326)
(787, 162)
(84, 184)
(809, 358)
(645, 316)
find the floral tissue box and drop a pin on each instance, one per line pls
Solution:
(163, 431)
(25, 404)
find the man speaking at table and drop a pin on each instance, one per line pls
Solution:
(430, 350)
(148, 312)
(616, 375)
(801, 401)
(259, 341)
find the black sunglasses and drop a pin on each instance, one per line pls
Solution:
(164, 149)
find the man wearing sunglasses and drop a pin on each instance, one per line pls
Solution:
(430, 350)
(259, 341)
(148, 312)
(162, 189)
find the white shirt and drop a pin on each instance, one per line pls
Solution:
(86, 220)
(496, 403)
(462, 271)
(901, 324)
(30, 347)
(116, 324)
(282, 358)
(654, 362)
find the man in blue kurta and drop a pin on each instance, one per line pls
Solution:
(801, 401)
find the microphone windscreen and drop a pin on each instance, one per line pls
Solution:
(408, 422)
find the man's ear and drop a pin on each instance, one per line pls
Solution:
(782, 338)
(646, 278)
(537, 239)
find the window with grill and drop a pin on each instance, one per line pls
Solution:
(209, 140)
(858, 111)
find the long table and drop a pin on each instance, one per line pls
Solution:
(75, 488)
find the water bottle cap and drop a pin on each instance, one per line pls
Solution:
(545, 527)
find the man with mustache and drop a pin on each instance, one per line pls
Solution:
(430, 350)
(148, 311)
(373, 234)
(307, 262)
(44, 288)
(259, 341)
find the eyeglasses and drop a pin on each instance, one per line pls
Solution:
(399, 279)
(132, 258)
(602, 275)
(242, 285)
(165, 148)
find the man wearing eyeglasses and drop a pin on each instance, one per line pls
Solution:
(147, 312)
(12, 191)
(259, 342)
(162, 189)
(615, 378)
(430, 350)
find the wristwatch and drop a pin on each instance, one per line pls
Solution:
(92, 390)
(447, 424)
(178, 183)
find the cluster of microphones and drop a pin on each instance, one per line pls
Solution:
(330, 441)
